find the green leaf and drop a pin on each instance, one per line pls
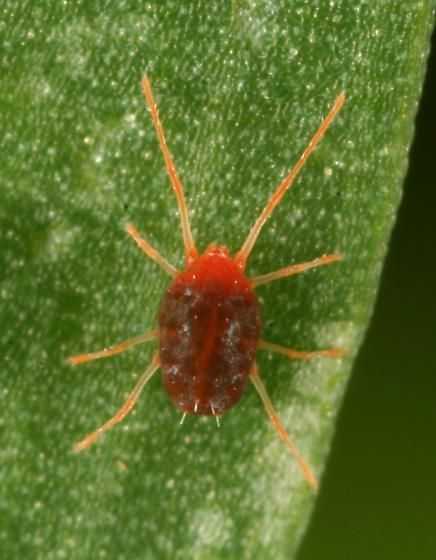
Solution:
(241, 88)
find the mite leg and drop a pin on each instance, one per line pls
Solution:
(242, 256)
(278, 426)
(294, 269)
(191, 252)
(112, 350)
(150, 251)
(124, 410)
(297, 355)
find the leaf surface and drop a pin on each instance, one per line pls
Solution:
(241, 88)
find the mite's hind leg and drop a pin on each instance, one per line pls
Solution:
(124, 410)
(294, 269)
(278, 426)
(150, 251)
(297, 354)
(112, 350)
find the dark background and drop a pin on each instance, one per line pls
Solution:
(378, 497)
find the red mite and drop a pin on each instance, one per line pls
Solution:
(209, 323)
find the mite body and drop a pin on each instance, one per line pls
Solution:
(209, 328)
(209, 323)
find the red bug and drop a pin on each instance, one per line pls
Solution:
(209, 324)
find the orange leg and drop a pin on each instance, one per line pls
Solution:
(150, 251)
(191, 252)
(124, 410)
(294, 269)
(278, 426)
(112, 350)
(242, 256)
(297, 355)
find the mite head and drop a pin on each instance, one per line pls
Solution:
(213, 250)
